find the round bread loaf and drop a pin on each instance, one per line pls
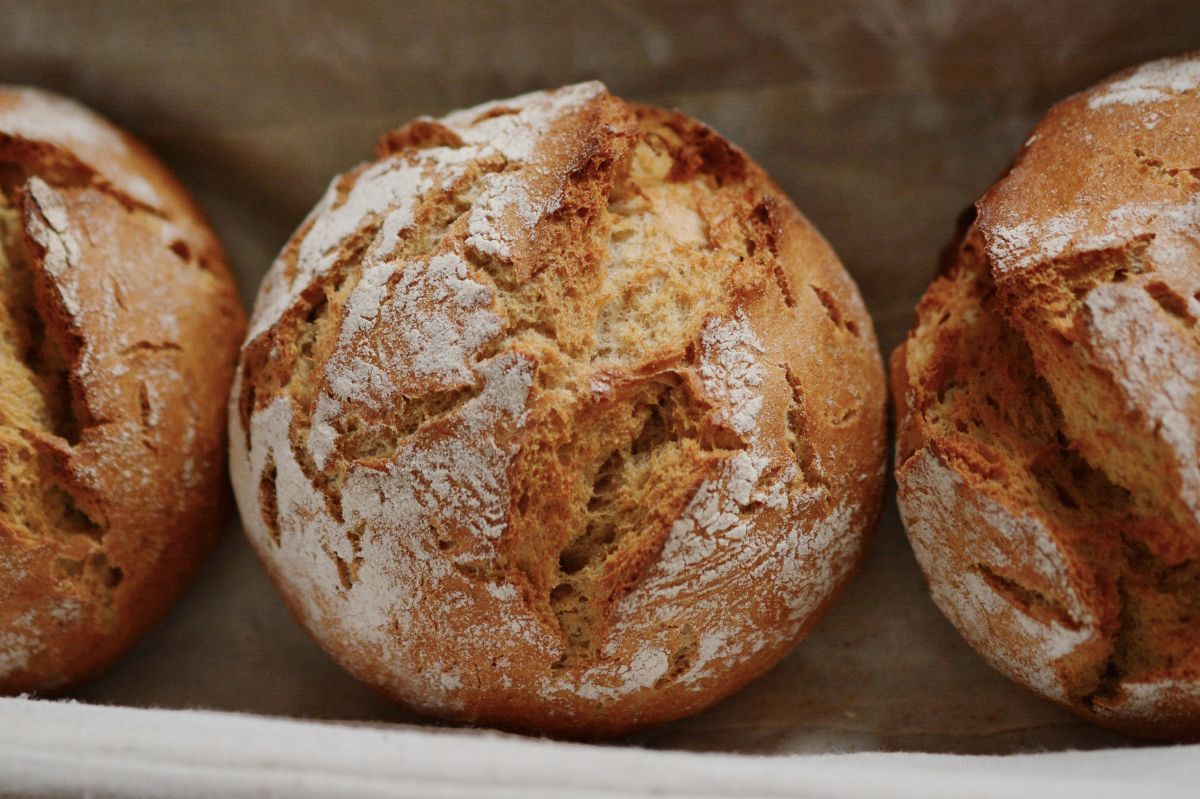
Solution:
(1048, 402)
(558, 417)
(119, 328)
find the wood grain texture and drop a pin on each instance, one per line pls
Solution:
(882, 120)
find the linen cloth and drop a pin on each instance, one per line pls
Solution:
(60, 749)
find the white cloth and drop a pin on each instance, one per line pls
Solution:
(51, 749)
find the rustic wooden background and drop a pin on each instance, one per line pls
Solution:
(883, 120)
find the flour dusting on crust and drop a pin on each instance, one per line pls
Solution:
(51, 229)
(385, 193)
(1160, 378)
(1155, 82)
(41, 116)
(936, 500)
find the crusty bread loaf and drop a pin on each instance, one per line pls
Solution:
(558, 417)
(1048, 402)
(119, 326)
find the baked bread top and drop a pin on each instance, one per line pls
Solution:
(1048, 454)
(119, 325)
(558, 416)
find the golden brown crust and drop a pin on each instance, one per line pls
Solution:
(120, 325)
(558, 417)
(1049, 468)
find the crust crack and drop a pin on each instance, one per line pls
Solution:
(628, 505)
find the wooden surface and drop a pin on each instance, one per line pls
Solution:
(883, 120)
